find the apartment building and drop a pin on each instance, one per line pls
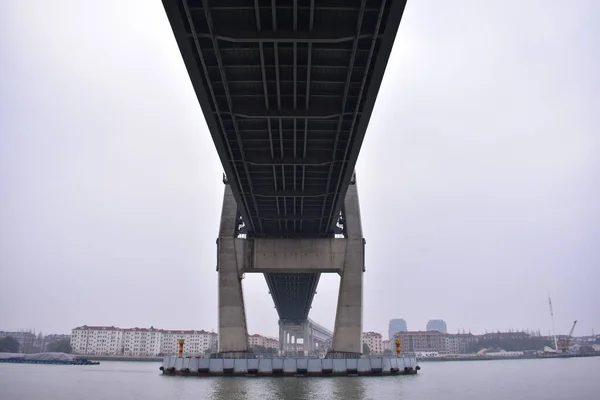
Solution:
(419, 341)
(111, 340)
(374, 341)
(259, 340)
(97, 340)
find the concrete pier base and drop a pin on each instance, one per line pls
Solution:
(300, 367)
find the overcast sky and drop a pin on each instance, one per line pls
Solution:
(478, 178)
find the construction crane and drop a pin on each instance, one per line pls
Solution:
(572, 328)
(553, 328)
(565, 341)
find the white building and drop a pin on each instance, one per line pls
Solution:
(195, 342)
(459, 343)
(110, 340)
(97, 340)
(453, 344)
(142, 341)
(374, 341)
(259, 340)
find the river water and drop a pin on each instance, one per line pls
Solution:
(551, 379)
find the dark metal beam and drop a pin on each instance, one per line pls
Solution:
(325, 7)
(289, 193)
(359, 23)
(324, 36)
(282, 65)
(357, 107)
(225, 85)
(295, 78)
(274, 216)
(311, 21)
(320, 113)
(266, 92)
(289, 161)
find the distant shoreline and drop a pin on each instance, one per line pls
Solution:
(122, 358)
(429, 359)
(483, 358)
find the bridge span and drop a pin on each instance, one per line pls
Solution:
(287, 89)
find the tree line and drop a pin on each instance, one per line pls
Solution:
(9, 344)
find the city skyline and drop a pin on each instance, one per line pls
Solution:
(477, 176)
(143, 341)
(546, 332)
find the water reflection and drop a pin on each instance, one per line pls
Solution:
(349, 388)
(343, 388)
(229, 388)
(493, 380)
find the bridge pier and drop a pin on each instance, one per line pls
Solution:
(233, 331)
(345, 256)
(347, 332)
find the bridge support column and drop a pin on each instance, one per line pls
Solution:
(233, 332)
(281, 338)
(347, 331)
(306, 338)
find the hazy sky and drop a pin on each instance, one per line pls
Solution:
(478, 178)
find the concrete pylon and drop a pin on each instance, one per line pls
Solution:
(345, 256)
(233, 331)
(281, 338)
(347, 331)
(306, 338)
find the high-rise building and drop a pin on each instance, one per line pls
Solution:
(396, 325)
(437, 325)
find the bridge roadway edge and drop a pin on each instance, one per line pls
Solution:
(387, 43)
(197, 80)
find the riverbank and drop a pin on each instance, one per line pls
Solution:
(528, 357)
(124, 358)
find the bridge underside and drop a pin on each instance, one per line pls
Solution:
(287, 89)
(292, 293)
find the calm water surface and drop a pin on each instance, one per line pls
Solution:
(552, 379)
